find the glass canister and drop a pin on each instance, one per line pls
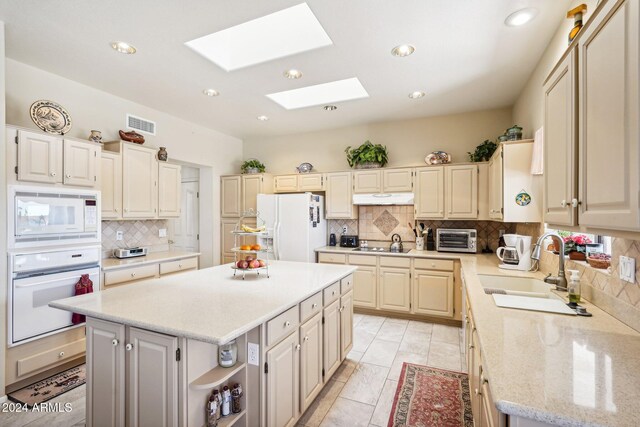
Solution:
(228, 354)
(236, 394)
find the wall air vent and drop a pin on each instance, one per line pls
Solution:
(141, 125)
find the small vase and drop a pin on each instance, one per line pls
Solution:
(577, 256)
(162, 154)
(368, 165)
(96, 136)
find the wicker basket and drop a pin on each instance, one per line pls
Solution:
(599, 263)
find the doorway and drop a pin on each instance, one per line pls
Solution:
(185, 230)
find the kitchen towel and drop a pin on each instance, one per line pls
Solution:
(537, 158)
(84, 286)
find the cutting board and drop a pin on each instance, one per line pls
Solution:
(531, 303)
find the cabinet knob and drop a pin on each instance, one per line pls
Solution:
(115, 209)
(287, 324)
(68, 175)
(133, 274)
(477, 392)
(314, 305)
(129, 347)
(114, 342)
(126, 210)
(341, 309)
(575, 203)
(61, 354)
(53, 174)
(179, 265)
(298, 347)
(306, 338)
(333, 293)
(563, 203)
(471, 347)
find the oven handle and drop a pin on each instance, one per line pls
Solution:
(32, 283)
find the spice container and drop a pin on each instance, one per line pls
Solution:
(228, 354)
(213, 409)
(236, 394)
(226, 401)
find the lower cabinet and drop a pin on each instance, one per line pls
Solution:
(346, 324)
(130, 275)
(433, 293)
(310, 360)
(365, 283)
(331, 343)
(394, 289)
(134, 375)
(283, 381)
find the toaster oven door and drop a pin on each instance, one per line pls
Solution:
(454, 241)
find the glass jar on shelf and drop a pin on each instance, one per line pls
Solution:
(228, 354)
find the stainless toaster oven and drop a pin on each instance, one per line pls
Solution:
(456, 240)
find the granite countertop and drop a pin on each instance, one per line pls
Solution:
(153, 257)
(413, 253)
(209, 304)
(556, 369)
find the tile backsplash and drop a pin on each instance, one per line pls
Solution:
(601, 287)
(379, 223)
(136, 233)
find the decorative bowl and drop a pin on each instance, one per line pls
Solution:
(304, 168)
(438, 158)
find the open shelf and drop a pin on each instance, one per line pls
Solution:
(231, 419)
(216, 377)
(246, 233)
(243, 251)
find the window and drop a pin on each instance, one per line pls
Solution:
(594, 239)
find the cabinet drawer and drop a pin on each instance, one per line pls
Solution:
(130, 274)
(362, 259)
(332, 258)
(331, 293)
(179, 265)
(434, 264)
(56, 355)
(282, 325)
(346, 284)
(310, 306)
(392, 261)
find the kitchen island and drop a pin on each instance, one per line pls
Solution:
(152, 348)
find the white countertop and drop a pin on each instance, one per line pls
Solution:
(116, 263)
(413, 253)
(209, 304)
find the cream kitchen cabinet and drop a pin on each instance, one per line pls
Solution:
(311, 182)
(134, 273)
(135, 376)
(383, 181)
(283, 382)
(311, 380)
(331, 343)
(81, 163)
(169, 190)
(227, 225)
(252, 185)
(608, 125)
(514, 194)
(365, 283)
(461, 191)
(39, 157)
(230, 196)
(433, 293)
(429, 197)
(394, 289)
(298, 183)
(560, 148)
(339, 203)
(111, 185)
(139, 182)
(367, 181)
(346, 324)
(285, 183)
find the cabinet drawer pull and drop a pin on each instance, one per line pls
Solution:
(333, 293)
(306, 338)
(68, 175)
(287, 324)
(133, 274)
(129, 347)
(477, 392)
(61, 354)
(298, 347)
(341, 309)
(314, 305)
(471, 346)
(563, 203)
(114, 342)
(179, 265)
(53, 174)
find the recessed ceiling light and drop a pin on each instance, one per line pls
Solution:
(330, 107)
(403, 50)
(521, 17)
(322, 94)
(262, 118)
(417, 94)
(293, 74)
(211, 92)
(283, 33)
(123, 47)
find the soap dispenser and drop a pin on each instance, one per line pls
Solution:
(574, 287)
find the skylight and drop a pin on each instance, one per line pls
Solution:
(325, 93)
(284, 33)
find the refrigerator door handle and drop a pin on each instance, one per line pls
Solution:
(277, 239)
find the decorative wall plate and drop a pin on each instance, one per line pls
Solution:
(50, 117)
(523, 198)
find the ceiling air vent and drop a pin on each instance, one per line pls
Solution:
(140, 124)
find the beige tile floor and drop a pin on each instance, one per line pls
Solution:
(360, 393)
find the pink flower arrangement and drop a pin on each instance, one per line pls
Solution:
(577, 239)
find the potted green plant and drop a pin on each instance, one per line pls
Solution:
(483, 151)
(252, 166)
(367, 156)
(575, 245)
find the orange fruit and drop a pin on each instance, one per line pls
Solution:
(245, 247)
(255, 247)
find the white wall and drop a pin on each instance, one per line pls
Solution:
(408, 141)
(93, 109)
(528, 108)
(3, 217)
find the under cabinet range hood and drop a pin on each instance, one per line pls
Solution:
(383, 199)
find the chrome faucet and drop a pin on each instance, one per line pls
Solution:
(560, 280)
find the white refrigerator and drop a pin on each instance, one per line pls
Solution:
(295, 224)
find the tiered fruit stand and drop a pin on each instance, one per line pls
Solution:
(241, 231)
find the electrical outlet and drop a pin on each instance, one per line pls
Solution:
(344, 229)
(627, 268)
(119, 235)
(162, 232)
(253, 354)
(501, 233)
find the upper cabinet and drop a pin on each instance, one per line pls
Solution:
(230, 196)
(298, 183)
(560, 135)
(592, 136)
(111, 185)
(514, 193)
(608, 132)
(252, 185)
(462, 191)
(170, 188)
(285, 183)
(140, 182)
(53, 159)
(429, 198)
(339, 204)
(383, 180)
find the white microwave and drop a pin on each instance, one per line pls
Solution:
(45, 216)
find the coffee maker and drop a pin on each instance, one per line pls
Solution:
(516, 255)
